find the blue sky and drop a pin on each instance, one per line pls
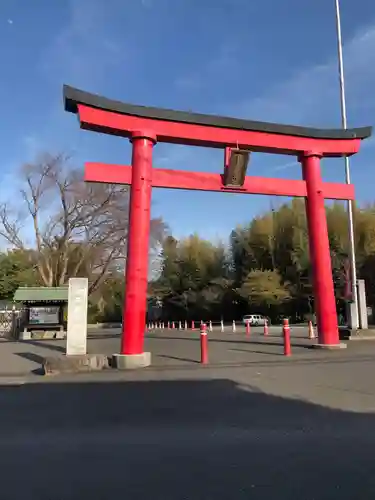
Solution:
(271, 60)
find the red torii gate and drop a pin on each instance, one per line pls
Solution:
(145, 126)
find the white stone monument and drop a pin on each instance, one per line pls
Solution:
(76, 339)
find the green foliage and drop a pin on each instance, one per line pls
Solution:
(264, 288)
(16, 269)
(109, 299)
(266, 267)
(194, 279)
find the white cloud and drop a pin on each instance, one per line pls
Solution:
(311, 95)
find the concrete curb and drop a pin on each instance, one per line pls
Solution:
(131, 361)
(361, 337)
(329, 347)
(55, 365)
(42, 335)
(356, 335)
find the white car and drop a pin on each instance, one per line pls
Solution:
(254, 319)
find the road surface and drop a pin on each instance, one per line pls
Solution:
(286, 431)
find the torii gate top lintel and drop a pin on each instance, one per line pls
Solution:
(104, 115)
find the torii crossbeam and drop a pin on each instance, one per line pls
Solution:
(146, 126)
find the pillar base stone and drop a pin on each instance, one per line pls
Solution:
(131, 361)
(330, 347)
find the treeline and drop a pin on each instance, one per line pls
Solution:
(265, 268)
(57, 227)
(19, 268)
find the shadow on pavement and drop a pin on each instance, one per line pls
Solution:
(279, 360)
(187, 439)
(252, 351)
(35, 358)
(178, 358)
(103, 336)
(45, 344)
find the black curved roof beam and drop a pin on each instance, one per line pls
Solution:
(75, 98)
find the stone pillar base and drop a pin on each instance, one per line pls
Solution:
(25, 335)
(329, 347)
(131, 361)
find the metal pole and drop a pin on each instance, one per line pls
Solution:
(354, 320)
(272, 237)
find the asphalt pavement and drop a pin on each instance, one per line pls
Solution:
(252, 424)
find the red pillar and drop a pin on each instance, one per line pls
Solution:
(135, 301)
(324, 296)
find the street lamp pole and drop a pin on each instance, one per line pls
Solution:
(354, 310)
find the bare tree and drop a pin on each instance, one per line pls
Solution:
(78, 228)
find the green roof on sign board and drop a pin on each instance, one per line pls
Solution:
(41, 294)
